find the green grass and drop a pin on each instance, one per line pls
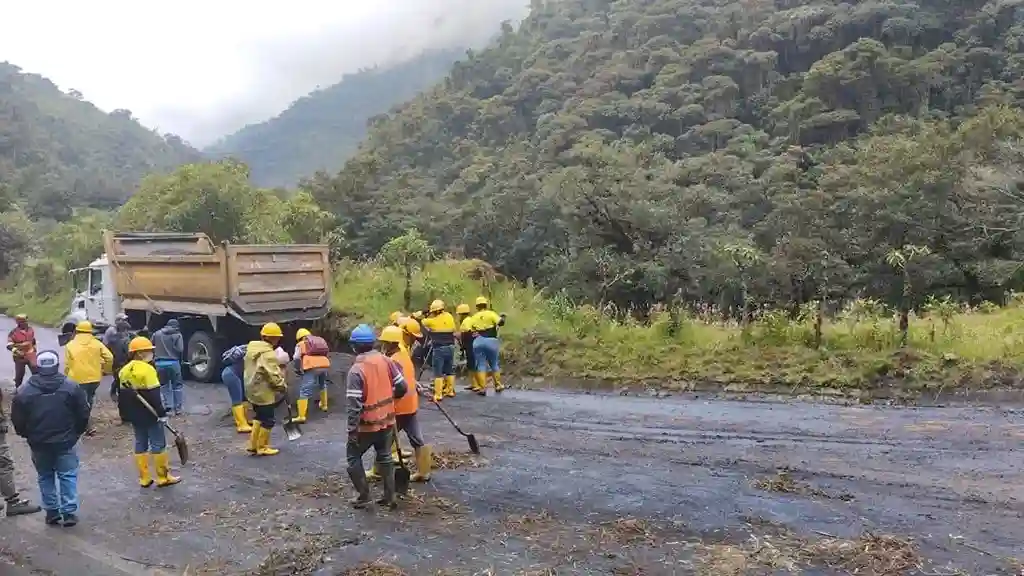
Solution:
(548, 337)
(46, 311)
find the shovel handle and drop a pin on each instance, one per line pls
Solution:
(445, 412)
(152, 411)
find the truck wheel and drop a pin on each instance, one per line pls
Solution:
(203, 356)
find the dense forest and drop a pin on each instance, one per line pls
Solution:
(320, 131)
(58, 151)
(721, 152)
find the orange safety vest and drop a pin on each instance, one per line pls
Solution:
(409, 403)
(24, 347)
(313, 362)
(379, 403)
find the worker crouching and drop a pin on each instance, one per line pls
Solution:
(312, 363)
(372, 384)
(264, 379)
(139, 401)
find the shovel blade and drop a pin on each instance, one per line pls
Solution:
(293, 432)
(182, 446)
(474, 447)
(402, 479)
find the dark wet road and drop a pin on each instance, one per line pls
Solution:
(950, 478)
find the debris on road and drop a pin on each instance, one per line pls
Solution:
(786, 484)
(301, 560)
(375, 568)
(449, 459)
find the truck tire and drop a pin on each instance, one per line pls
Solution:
(203, 356)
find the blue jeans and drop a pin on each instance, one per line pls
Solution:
(442, 360)
(172, 388)
(149, 438)
(58, 478)
(314, 379)
(234, 385)
(486, 352)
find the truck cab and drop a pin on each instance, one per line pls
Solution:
(95, 297)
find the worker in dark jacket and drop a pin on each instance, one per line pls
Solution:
(373, 383)
(116, 339)
(169, 349)
(141, 386)
(51, 412)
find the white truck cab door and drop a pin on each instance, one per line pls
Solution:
(96, 307)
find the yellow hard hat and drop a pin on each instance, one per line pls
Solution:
(302, 333)
(20, 317)
(412, 327)
(84, 327)
(395, 316)
(391, 334)
(437, 306)
(271, 330)
(462, 309)
(418, 315)
(482, 301)
(139, 344)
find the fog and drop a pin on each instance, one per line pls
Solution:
(203, 70)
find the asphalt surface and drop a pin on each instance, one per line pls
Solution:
(568, 483)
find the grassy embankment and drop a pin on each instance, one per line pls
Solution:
(547, 337)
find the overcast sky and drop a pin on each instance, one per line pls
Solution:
(205, 69)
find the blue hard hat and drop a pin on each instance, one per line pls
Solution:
(363, 334)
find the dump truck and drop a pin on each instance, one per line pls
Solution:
(220, 294)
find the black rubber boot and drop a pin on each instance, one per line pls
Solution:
(358, 478)
(18, 507)
(388, 472)
(52, 518)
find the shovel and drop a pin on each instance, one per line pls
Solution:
(291, 429)
(402, 474)
(473, 446)
(179, 441)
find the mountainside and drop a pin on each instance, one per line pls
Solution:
(722, 152)
(57, 151)
(321, 130)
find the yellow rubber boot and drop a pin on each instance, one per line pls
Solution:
(240, 424)
(142, 463)
(163, 470)
(263, 447)
(438, 389)
(303, 405)
(254, 437)
(498, 386)
(449, 386)
(323, 400)
(373, 474)
(480, 383)
(424, 462)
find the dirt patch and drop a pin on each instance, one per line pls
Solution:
(299, 560)
(450, 459)
(329, 485)
(868, 555)
(431, 506)
(626, 532)
(375, 568)
(784, 483)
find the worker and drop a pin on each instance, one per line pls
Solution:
(393, 345)
(440, 327)
(312, 363)
(169, 352)
(12, 500)
(51, 412)
(86, 360)
(140, 383)
(372, 384)
(116, 339)
(486, 346)
(22, 343)
(464, 318)
(264, 378)
(231, 375)
(410, 333)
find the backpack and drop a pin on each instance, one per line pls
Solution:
(316, 346)
(233, 355)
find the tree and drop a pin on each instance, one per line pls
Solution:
(408, 253)
(900, 260)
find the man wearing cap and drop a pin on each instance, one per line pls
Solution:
(22, 343)
(51, 412)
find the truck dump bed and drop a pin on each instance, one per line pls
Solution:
(188, 273)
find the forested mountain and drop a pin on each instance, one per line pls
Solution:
(58, 151)
(320, 131)
(641, 151)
